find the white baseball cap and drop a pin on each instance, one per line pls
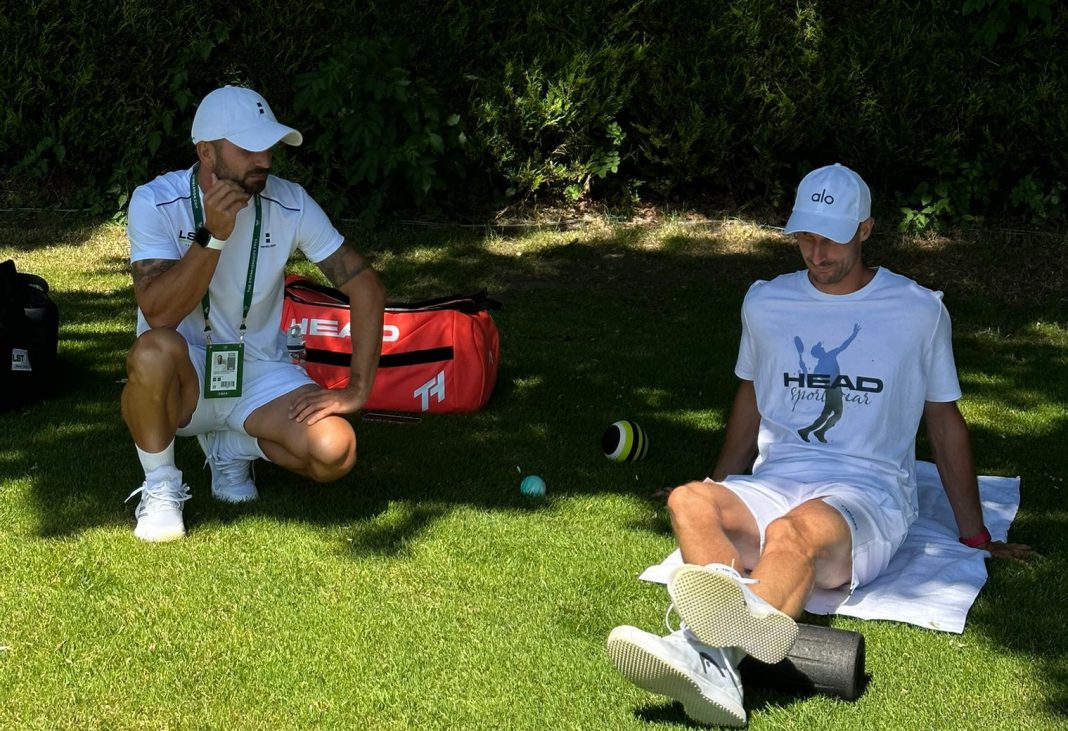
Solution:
(243, 117)
(831, 201)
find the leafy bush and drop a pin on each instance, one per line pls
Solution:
(998, 17)
(555, 129)
(951, 111)
(371, 125)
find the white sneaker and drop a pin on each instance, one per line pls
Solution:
(159, 514)
(715, 604)
(231, 478)
(701, 678)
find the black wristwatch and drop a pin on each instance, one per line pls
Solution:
(202, 236)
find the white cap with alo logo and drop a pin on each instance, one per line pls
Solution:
(242, 116)
(831, 201)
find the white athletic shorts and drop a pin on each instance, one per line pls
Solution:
(877, 525)
(264, 381)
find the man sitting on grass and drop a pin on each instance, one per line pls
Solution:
(209, 246)
(833, 426)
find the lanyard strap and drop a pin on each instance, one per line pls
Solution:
(253, 257)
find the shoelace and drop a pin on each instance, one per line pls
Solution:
(163, 491)
(667, 619)
(231, 471)
(731, 572)
(725, 667)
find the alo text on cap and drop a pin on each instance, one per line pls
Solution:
(831, 201)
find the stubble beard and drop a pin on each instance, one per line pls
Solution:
(828, 275)
(253, 187)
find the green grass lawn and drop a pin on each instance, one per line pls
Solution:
(423, 591)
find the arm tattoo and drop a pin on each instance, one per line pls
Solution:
(343, 265)
(146, 271)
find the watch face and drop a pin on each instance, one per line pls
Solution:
(202, 236)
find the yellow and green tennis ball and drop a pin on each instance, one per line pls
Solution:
(624, 441)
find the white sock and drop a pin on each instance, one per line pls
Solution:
(238, 445)
(152, 461)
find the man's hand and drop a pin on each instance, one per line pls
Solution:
(222, 202)
(315, 405)
(1016, 551)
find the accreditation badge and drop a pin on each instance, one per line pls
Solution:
(222, 376)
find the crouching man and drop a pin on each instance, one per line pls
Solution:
(209, 246)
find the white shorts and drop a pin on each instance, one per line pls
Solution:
(264, 381)
(877, 525)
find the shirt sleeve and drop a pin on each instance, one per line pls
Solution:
(316, 236)
(745, 367)
(941, 367)
(150, 237)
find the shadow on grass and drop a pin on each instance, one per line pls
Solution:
(36, 230)
(664, 713)
(594, 328)
(756, 700)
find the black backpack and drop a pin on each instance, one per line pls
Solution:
(29, 337)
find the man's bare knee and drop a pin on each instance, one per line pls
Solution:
(704, 497)
(814, 537)
(789, 533)
(155, 353)
(690, 499)
(331, 449)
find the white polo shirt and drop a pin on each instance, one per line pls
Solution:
(161, 227)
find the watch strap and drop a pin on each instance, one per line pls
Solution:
(202, 236)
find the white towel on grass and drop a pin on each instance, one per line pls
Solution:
(932, 580)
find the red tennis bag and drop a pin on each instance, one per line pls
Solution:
(439, 355)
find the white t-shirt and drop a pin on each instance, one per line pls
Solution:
(161, 227)
(841, 380)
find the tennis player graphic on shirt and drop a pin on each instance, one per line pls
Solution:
(826, 365)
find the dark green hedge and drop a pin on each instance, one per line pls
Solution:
(950, 110)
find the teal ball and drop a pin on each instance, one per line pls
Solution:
(532, 486)
(624, 441)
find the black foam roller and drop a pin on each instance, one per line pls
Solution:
(823, 660)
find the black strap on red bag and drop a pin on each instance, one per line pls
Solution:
(306, 291)
(309, 292)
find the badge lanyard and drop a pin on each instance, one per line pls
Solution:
(222, 376)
